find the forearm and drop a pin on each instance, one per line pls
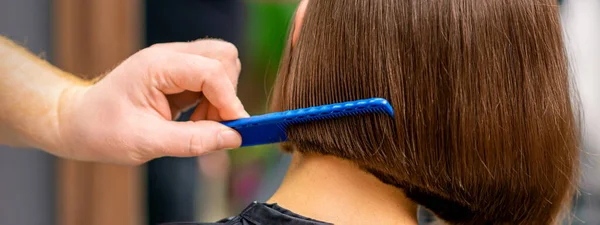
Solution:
(30, 98)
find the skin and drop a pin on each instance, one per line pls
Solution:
(125, 117)
(347, 196)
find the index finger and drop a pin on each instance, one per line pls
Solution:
(177, 72)
(220, 50)
(210, 48)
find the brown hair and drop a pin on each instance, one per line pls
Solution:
(484, 131)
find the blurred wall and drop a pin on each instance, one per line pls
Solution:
(581, 19)
(26, 176)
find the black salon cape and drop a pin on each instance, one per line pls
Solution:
(263, 214)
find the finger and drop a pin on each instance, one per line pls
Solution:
(187, 139)
(238, 65)
(235, 75)
(223, 51)
(211, 48)
(213, 114)
(208, 112)
(201, 111)
(179, 72)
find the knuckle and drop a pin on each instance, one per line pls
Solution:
(158, 72)
(214, 68)
(238, 65)
(139, 155)
(219, 49)
(229, 50)
(202, 142)
(136, 159)
(196, 146)
(153, 69)
(223, 50)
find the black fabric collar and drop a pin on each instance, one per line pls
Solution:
(263, 214)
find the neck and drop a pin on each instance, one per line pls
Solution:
(333, 190)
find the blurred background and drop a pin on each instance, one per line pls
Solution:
(89, 37)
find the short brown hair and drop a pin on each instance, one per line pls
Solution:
(485, 130)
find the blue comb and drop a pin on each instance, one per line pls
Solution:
(271, 128)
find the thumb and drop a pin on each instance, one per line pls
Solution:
(187, 139)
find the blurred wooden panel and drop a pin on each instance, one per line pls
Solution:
(90, 38)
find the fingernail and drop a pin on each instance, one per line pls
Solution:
(229, 139)
(245, 114)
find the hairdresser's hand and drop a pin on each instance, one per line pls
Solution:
(126, 117)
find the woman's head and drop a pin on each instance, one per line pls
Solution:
(484, 130)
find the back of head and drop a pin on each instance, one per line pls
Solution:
(484, 129)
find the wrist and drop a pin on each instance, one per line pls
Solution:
(66, 109)
(34, 98)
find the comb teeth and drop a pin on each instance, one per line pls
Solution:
(331, 115)
(270, 128)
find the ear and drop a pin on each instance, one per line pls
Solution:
(298, 21)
